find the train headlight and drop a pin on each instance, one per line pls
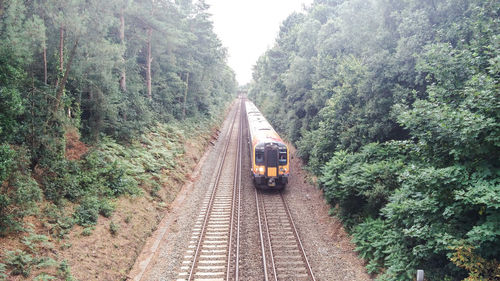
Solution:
(261, 169)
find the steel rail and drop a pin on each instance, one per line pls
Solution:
(235, 209)
(269, 239)
(212, 197)
(297, 238)
(237, 274)
(264, 262)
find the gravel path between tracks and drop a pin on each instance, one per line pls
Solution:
(327, 245)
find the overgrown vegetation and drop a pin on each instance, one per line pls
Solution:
(32, 257)
(395, 106)
(134, 80)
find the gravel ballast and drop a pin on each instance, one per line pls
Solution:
(328, 247)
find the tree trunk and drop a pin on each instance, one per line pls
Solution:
(123, 75)
(185, 96)
(60, 90)
(61, 53)
(61, 48)
(148, 63)
(45, 65)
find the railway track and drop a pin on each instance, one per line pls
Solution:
(214, 247)
(213, 251)
(283, 256)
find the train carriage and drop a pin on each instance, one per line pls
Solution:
(270, 159)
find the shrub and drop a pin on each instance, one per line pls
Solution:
(113, 228)
(63, 226)
(62, 182)
(478, 268)
(17, 199)
(360, 183)
(6, 161)
(44, 277)
(3, 269)
(64, 271)
(106, 208)
(58, 223)
(34, 242)
(108, 178)
(372, 242)
(87, 213)
(89, 209)
(87, 231)
(92, 176)
(20, 262)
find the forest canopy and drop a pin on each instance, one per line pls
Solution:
(395, 106)
(101, 72)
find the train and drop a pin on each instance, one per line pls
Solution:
(270, 156)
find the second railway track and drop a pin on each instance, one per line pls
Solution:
(212, 253)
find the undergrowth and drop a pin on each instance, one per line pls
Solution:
(76, 192)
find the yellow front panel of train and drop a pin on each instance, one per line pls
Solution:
(272, 172)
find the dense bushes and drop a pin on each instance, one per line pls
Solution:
(398, 115)
(93, 176)
(361, 183)
(19, 191)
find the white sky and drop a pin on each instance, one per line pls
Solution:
(248, 28)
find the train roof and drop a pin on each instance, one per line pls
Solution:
(260, 129)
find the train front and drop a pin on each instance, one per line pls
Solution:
(271, 164)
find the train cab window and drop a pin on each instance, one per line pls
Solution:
(282, 156)
(259, 156)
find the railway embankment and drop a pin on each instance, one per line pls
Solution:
(99, 236)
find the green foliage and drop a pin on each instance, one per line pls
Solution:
(58, 223)
(106, 208)
(87, 231)
(3, 269)
(110, 177)
(44, 277)
(18, 199)
(114, 228)
(136, 135)
(10, 108)
(87, 212)
(34, 242)
(31, 257)
(20, 262)
(395, 106)
(6, 161)
(93, 175)
(361, 183)
(89, 209)
(64, 272)
(373, 241)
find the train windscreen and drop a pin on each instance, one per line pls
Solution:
(282, 156)
(272, 158)
(259, 156)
